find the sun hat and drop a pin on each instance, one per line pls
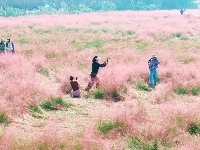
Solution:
(153, 56)
(97, 58)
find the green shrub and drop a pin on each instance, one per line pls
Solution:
(99, 93)
(195, 91)
(142, 86)
(48, 106)
(130, 32)
(4, 119)
(116, 95)
(89, 95)
(44, 71)
(137, 143)
(119, 32)
(105, 127)
(35, 109)
(60, 101)
(193, 129)
(177, 35)
(104, 30)
(181, 90)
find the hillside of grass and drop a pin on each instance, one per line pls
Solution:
(37, 112)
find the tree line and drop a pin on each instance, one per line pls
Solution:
(23, 7)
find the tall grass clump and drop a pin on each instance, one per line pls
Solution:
(35, 109)
(48, 106)
(181, 90)
(44, 71)
(195, 91)
(105, 127)
(60, 101)
(142, 86)
(116, 95)
(129, 32)
(55, 104)
(99, 93)
(194, 129)
(137, 143)
(4, 119)
(177, 35)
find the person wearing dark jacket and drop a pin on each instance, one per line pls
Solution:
(2, 46)
(93, 75)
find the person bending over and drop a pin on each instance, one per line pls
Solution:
(95, 67)
(75, 87)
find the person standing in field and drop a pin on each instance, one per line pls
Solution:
(153, 66)
(2, 46)
(75, 87)
(93, 75)
(10, 46)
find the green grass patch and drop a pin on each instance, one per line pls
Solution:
(194, 129)
(181, 90)
(59, 100)
(44, 71)
(104, 30)
(141, 45)
(129, 32)
(138, 144)
(94, 44)
(184, 38)
(74, 43)
(115, 94)
(142, 86)
(48, 106)
(23, 41)
(4, 119)
(105, 127)
(195, 91)
(120, 32)
(35, 109)
(99, 93)
(177, 35)
(53, 104)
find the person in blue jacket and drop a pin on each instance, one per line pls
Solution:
(153, 66)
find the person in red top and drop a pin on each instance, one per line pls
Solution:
(75, 87)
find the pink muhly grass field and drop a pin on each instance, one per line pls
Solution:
(51, 48)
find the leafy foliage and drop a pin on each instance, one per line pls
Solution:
(105, 127)
(4, 119)
(21, 7)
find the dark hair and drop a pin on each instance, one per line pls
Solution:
(94, 59)
(71, 78)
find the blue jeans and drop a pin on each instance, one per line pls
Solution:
(153, 77)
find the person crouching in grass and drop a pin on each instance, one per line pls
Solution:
(76, 93)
